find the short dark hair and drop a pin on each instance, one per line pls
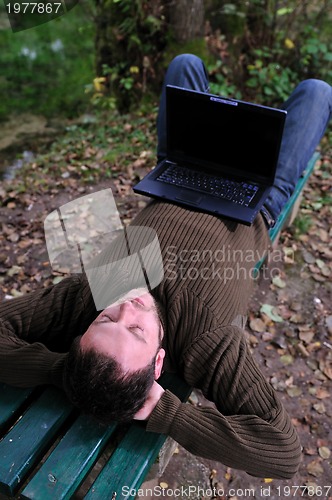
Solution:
(97, 385)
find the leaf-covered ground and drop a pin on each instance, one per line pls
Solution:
(290, 317)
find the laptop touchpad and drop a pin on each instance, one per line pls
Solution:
(189, 197)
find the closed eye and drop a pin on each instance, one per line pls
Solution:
(138, 332)
(105, 318)
(136, 328)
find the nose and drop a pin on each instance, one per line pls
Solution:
(124, 309)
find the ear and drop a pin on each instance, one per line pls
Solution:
(159, 363)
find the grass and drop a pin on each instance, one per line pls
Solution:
(42, 70)
(105, 147)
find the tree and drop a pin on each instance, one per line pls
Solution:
(131, 36)
(256, 50)
(186, 19)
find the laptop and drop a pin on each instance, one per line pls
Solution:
(221, 156)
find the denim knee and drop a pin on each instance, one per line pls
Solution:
(185, 61)
(316, 91)
(188, 71)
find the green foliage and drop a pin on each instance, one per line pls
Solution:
(316, 54)
(269, 80)
(301, 225)
(44, 70)
(220, 82)
(256, 50)
(129, 44)
(281, 43)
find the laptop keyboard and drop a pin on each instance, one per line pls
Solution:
(241, 193)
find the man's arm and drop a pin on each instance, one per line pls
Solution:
(36, 331)
(248, 428)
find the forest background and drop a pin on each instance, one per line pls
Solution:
(78, 107)
(113, 53)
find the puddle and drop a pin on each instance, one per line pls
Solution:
(9, 171)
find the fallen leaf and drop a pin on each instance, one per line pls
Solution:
(57, 280)
(310, 451)
(315, 468)
(228, 476)
(213, 474)
(306, 336)
(323, 235)
(294, 391)
(279, 282)
(296, 306)
(279, 341)
(257, 325)
(287, 359)
(308, 257)
(324, 452)
(320, 408)
(302, 350)
(14, 237)
(326, 368)
(296, 318)
(322, 393)
(14, 270)
(271, 312)
(318, 277)
(267, 336)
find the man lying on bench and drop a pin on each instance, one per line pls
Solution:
(191, 323)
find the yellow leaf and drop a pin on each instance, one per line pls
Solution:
(134, 69)
(98, 83)
(289, 44)
(268, 480)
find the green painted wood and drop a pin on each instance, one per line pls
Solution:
(26, 441)
(70, 462)
(297, 191)
(11, 399)
(135, 454)
(128, 466)
(273, 232)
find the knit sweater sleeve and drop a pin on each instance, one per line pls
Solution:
(247, 428)
(35, 332)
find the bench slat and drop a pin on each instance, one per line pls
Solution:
(297, 191)
(11, 399)
(24, 444)
(136, 453)
(287, 210)
(66, 468)
(128, 465)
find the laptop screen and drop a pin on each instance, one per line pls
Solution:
(211, 131)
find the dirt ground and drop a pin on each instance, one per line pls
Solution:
(305, 393)
(290, 336)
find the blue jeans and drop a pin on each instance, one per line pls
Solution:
(308, 109)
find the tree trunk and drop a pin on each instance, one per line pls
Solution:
(187, 19)
(104, 40)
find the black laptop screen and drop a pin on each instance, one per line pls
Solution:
(216, 132)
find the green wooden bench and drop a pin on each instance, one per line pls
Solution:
(48, 450)
(41, 426)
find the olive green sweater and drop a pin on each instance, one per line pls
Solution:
(208, 268)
